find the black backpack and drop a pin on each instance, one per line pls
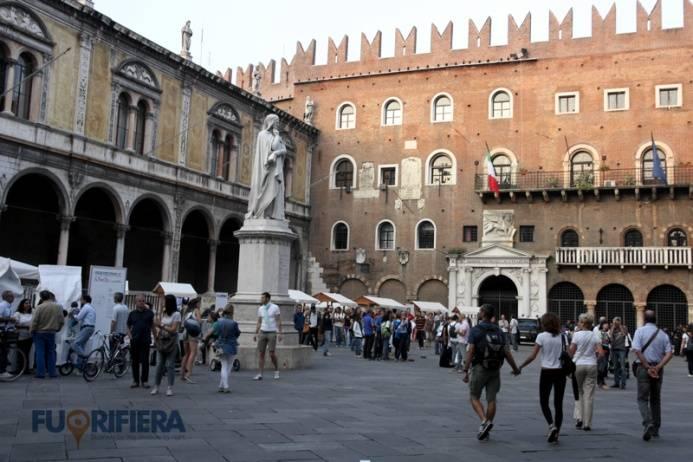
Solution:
(452, 330)
(492, 348)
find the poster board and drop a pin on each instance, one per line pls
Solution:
(220, 300)
(104, 281)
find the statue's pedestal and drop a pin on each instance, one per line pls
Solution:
(264, 266)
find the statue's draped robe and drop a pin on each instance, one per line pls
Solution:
(266, 199)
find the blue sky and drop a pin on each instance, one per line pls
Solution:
(231, 33)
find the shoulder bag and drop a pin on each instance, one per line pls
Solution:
(567, 364)
(636, 363)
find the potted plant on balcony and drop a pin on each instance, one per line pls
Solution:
(629, 180)
(552, 182)
(523, 171)
(584, 181)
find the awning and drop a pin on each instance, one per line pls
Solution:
(335, 298)
(302, 297)
(367, 300)
(178, 289)
(434, 307)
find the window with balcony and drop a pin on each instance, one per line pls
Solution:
(442, 109)
(527, 233)
(385, 236)
(648, 165)
(570, 238)
(340, 236)
(632, 238)
(392, 113)
(503, 168)
(469, 234)
(425, 235)
(677, 238)
(581, 170)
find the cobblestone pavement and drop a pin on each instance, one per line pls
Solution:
(342, 409)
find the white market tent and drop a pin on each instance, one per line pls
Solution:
(178, 289)
(337, 299)
(22, 270)
(381, 302)
(433, 307)
(302, 297)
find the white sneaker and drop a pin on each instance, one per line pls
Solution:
(258, 377)
(6, 375)
(155, 390)
(169, 391)
(276, 375)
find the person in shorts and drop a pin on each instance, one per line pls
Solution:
(487, 349)
(267, 332)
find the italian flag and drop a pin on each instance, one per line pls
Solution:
(491, 172)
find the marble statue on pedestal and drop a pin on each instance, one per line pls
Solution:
(257, 77)
(186, 37)
(266, 199)
(309, 111)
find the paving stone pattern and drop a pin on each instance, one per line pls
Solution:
(342, 409)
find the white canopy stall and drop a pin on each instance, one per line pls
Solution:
(302, 297)
(335, 299)
(430, 307)
(178, 289)
(382, 302)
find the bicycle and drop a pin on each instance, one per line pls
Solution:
(113, 356)
(16, 359)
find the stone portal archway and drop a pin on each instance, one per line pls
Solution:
(501, 293)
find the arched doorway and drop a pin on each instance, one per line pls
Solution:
(670, 304)
(501, 293)
(616, 300)
(433, 291)
(93, 233)
(144, 245)
(193, 267)
(226, 278)
(353, 289)
(29, 226)
(394, 289)
(566, 301)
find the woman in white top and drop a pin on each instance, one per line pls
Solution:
(167, 325)
(550, 344)
(22, 323)
(357, 333)
(585, 347)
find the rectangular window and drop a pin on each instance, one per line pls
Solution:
(388, 176)
(567, 103)
(668, 96)
(617, 99)
(526, 233)
(470, 234)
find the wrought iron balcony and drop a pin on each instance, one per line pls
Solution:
(625, 256)
(599, 180)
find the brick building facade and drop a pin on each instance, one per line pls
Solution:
(403, 208)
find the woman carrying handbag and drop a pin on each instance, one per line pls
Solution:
(166, 335)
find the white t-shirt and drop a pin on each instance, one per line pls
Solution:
(586, 342)
(551, 347)
(170, 320)
(513, 326)
(269, 314)
(504, 325)
(463, 331)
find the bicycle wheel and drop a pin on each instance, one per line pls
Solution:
(66, 368)
(121, 363)
(93, 365)
(17, 364)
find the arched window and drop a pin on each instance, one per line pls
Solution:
(426, 235)
(140, 121)
(340, 236)
(570, 238)
(632, 238)
(23, 81)
(392, 113)
(3, 75)
(123, 111)
(227, 148)
(501, 105)
(344, 174)
(503, 168)
(441, 169)
(346, 118)
(677, 238)
(442, 109)
(581, 169)
(386, 236)
(648, 164)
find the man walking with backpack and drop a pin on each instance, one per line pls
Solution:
(487, 350)
(652, 348)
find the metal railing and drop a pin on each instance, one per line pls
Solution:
(624, 256)
(523, 180)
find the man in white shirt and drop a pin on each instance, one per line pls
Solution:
(87, 322)
(267, 332)
(6, 323)
(119, 320)
(462, 329)
(514, 332)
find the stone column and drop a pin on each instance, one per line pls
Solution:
(640, 313)
(591, 306)
(82, 93)
(35, 102)
(212, 267)
(452, 281)
(526, 293)
(132, 129)
(148, 148)
(166, 258)
(468, 272)
(7, 106)
(121, 230)
(64, 242)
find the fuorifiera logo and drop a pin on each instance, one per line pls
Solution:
(80, 421)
